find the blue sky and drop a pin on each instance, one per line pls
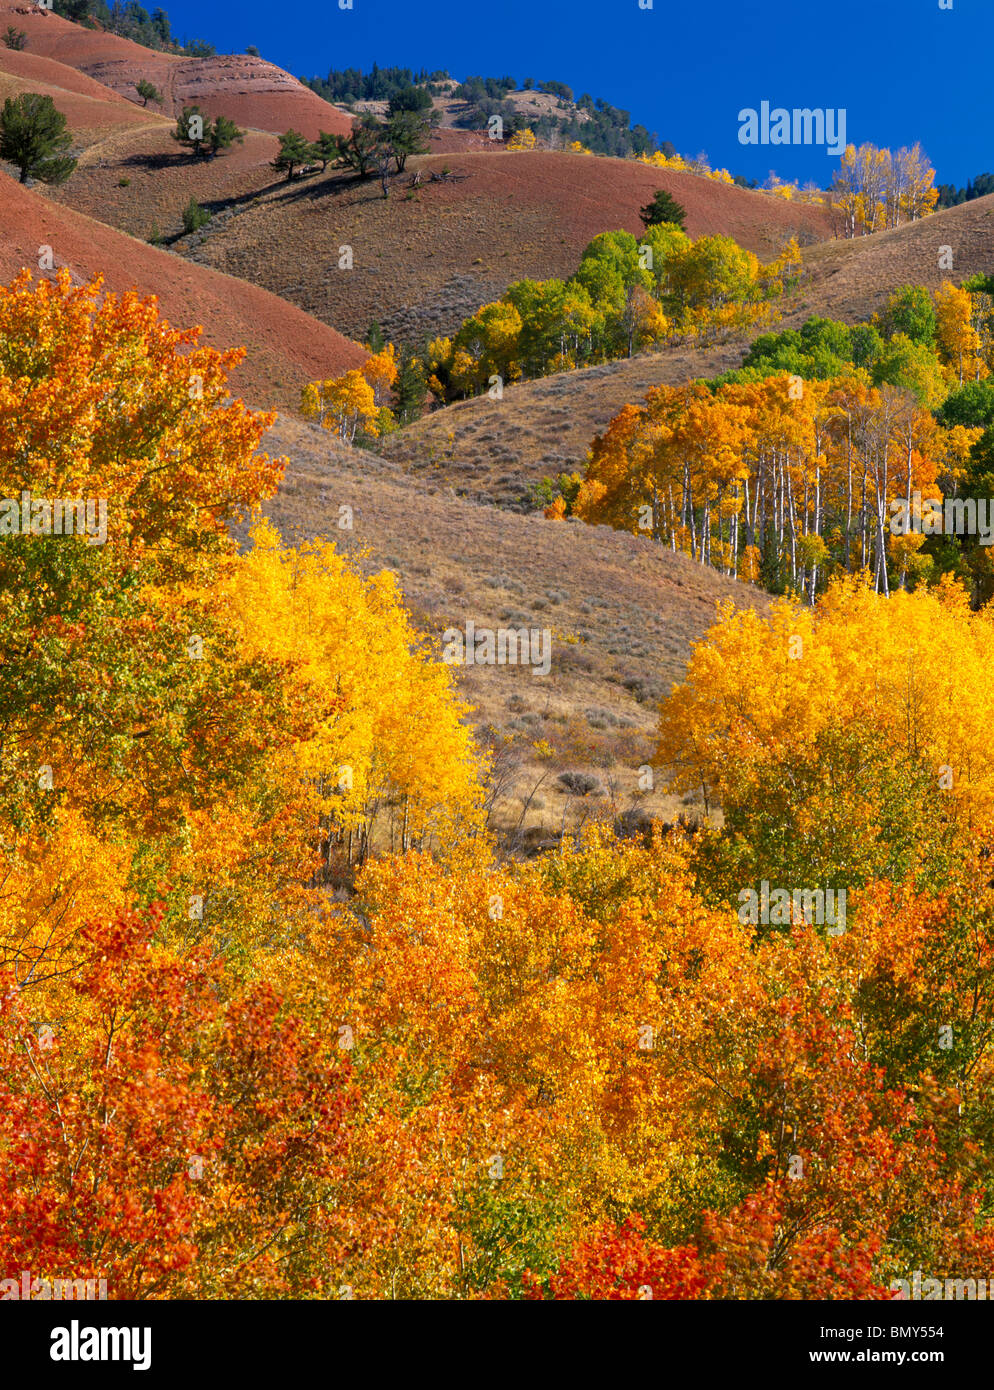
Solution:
(903, 70)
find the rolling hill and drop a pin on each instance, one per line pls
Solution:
(850, 280)
(497, 449)
(622, 612)
(92, 110)
(252, 92)
(427, 257)
(141, 180)
(442, 502)
(285, 347)
(424, 257)
(623, 625)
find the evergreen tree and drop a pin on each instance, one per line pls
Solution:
(771, 568)
(663, 207)
(148, 92)
(325, 148)
(195, 216)
(35, 139)
(294, 150)
(76, 10)
(406, 133)
(362, 148)
(192, 128)
(409, 99)
(160, 23)
(410, 388)
(222, 135)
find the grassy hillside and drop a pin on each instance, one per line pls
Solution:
(623, 613)
(140, 180)
(425, 258)
(497, 449)
(93, 111)
(284, 345)
(850, 280)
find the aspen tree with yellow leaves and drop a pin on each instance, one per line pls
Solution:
(957, 338)
(342, 404)
(388, 751)
(875, 188)
(356, 400)
(800, 476)
(523, 139)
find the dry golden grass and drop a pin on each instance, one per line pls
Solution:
(623, 613)
(496, 450)
(137, 180)
(851, 280)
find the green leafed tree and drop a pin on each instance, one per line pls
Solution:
(35, 139)
(200, 134)
(15, 38)
(410, 388)
(76, 10)
(609, 267)
(971, 404)
(913, 367)
(410, 99)
(910, 310)
(195, 216)
(192, 128)
(406, 133)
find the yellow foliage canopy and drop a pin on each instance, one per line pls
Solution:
(387, 734)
